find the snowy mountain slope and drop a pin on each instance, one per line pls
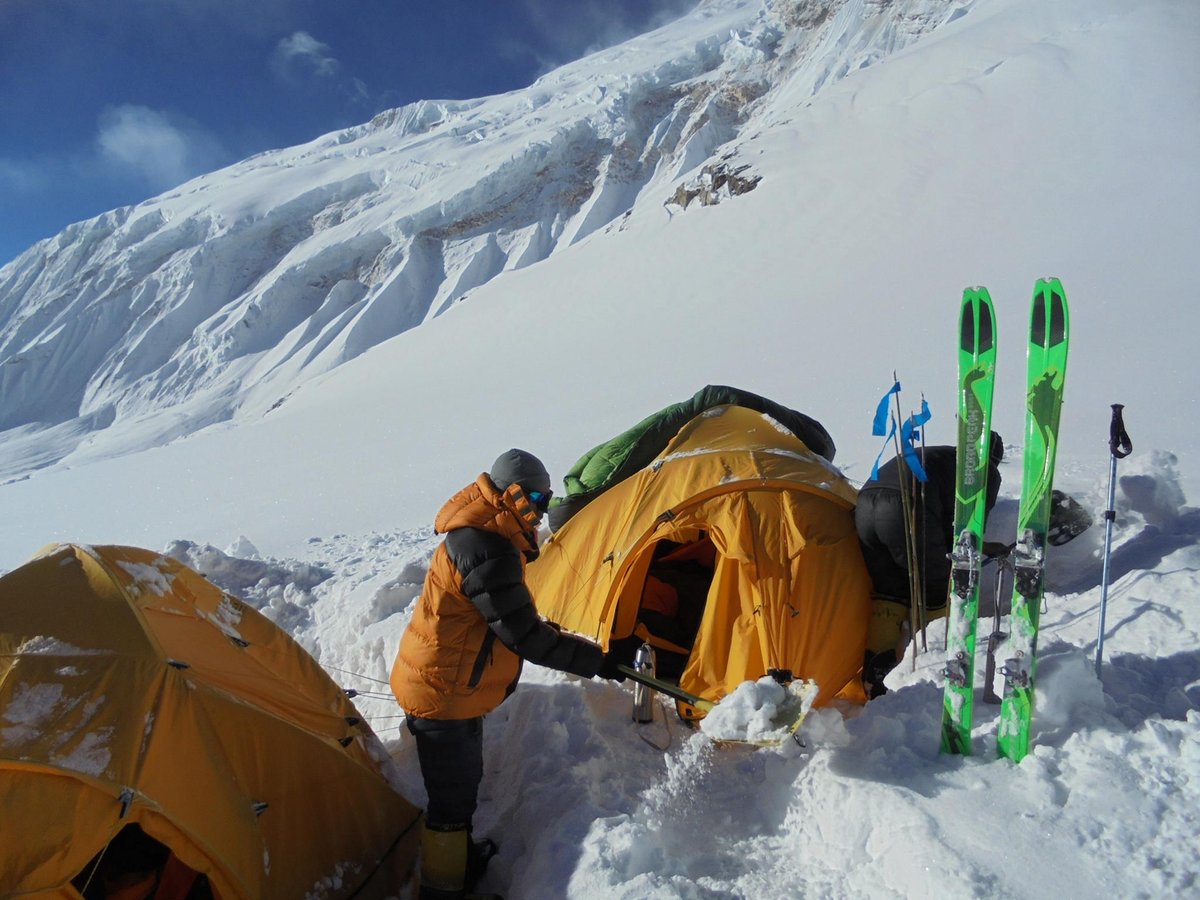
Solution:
(1018, 140)
(221, 297)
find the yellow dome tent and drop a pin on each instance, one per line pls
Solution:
(135, 694)
(789, 593)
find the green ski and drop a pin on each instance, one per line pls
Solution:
(1049, 330)
(976, 380)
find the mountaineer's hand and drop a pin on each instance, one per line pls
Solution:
(608, 668)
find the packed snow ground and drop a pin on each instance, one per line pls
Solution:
(586, 803)
(1019, 139)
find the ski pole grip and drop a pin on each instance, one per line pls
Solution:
(1118, 439)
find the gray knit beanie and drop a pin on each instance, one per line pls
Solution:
(520, 467)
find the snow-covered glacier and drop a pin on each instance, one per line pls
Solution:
(215, 300)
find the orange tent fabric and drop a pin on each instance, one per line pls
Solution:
(133, 690)
(790, 589)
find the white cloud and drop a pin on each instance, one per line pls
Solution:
(302, 54)
(595, 24)
(161, 149)
(301, 58)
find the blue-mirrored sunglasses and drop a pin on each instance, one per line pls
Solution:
(540, 499)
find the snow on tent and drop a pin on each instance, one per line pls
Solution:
(731, 549)
(154, 727)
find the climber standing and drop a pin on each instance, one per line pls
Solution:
(461, 655)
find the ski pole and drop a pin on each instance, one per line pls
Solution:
(903, 476)
(907, 480)
(1119, 446)
(924, 570)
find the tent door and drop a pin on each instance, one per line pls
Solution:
(673, 597)
(134, 866)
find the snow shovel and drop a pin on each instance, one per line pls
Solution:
(671, 690)
(804, 692)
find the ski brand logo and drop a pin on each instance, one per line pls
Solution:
(977, 346)
(974, 473)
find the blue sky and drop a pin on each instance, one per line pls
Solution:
(104, 103)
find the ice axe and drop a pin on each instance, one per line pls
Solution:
(1119, 446)
(671, 690)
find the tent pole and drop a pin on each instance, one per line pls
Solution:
(910, 544)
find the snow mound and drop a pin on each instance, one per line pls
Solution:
(282, 591)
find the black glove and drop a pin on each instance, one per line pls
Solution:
(875, 669)
(608, 667)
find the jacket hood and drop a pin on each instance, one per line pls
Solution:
(483, 505)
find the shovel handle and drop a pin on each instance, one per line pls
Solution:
(667, 688)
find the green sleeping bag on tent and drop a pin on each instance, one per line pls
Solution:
(618, 458)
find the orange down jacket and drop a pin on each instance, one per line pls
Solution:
(460, 656)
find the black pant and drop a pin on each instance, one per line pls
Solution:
(451, 755)
(879, 520)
